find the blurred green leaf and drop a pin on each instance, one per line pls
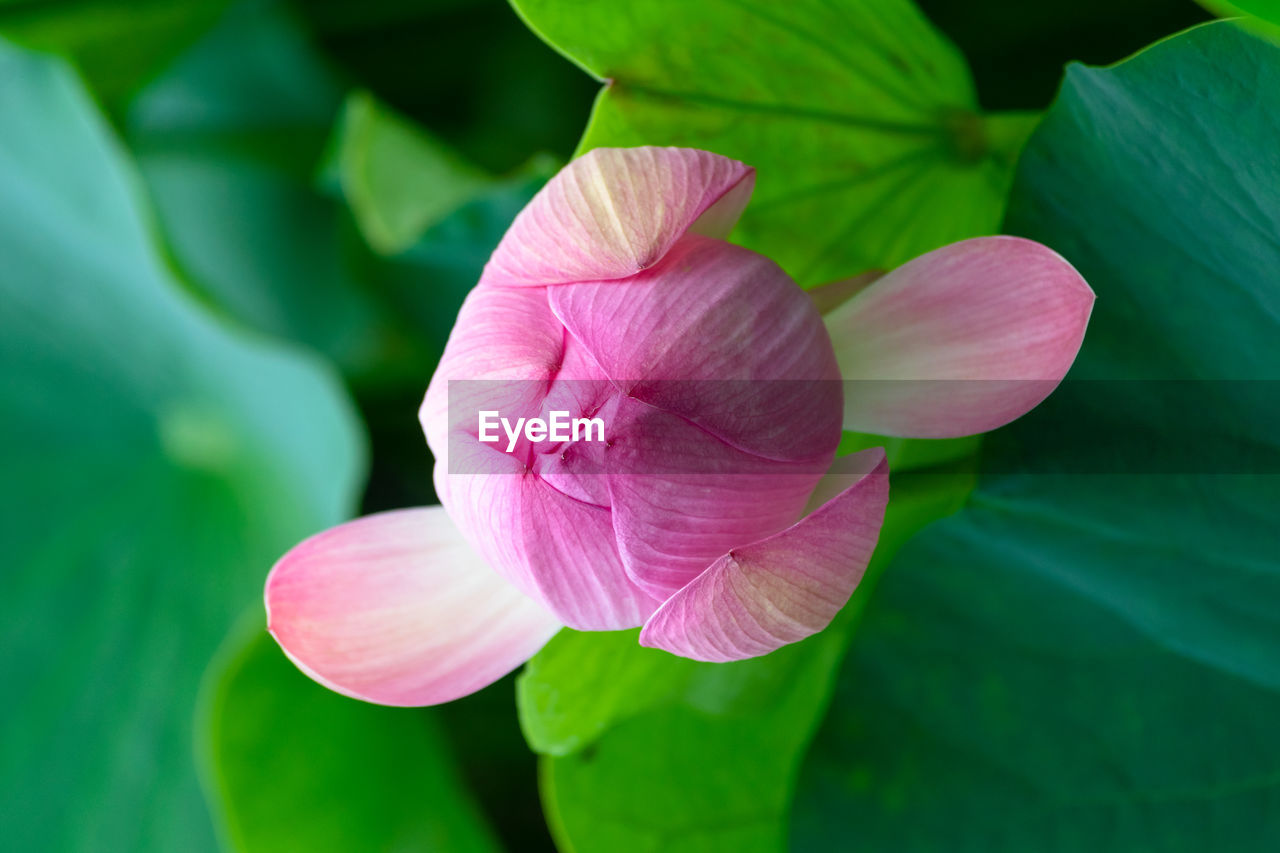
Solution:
(156, 462)
(229, 140)
(400, 181)
(647, 751)
(1090, 660)
(117, 44)
(295, 766)
(469, 70)
(236, 142)
(861, 118)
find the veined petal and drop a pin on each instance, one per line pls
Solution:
(959, 341)
(682, 497)
(616, 211)
(721, 336)
(781, 589)
(556, 549)
(396, 608)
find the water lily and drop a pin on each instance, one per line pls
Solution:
(715, 515)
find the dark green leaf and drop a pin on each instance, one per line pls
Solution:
(1088, 656)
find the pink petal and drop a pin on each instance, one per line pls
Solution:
(959, 341)
(616, 211)
(781, 589)
(508, 345)
(397, 609)
(721, 336)
(556, 549)
(682, 497)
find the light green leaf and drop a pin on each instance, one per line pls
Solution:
(156, 463)
(1088, 656)
(860, 118)
(677, 779)
(655, 752)
(562, 711)
(294, 766)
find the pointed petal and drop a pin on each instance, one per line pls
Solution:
(962, 340)
(616, 211)
(396, 608)
(781, 589)
(557, 550)
(722, 337)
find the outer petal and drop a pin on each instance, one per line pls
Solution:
(615, 211)
(721, 336)
(397, 609)
(962, 340)
(781, 589)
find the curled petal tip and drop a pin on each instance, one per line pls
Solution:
(782, 589)
(615, 211)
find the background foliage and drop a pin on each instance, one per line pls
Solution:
(234, 237)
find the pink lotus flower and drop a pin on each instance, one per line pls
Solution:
(712, 515)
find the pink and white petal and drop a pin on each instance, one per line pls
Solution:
(396, 608)
(557, 550)
(681, 497)
(504, 348)
(959, 341)
(779, 590)
(616, 211)
(723, 337)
